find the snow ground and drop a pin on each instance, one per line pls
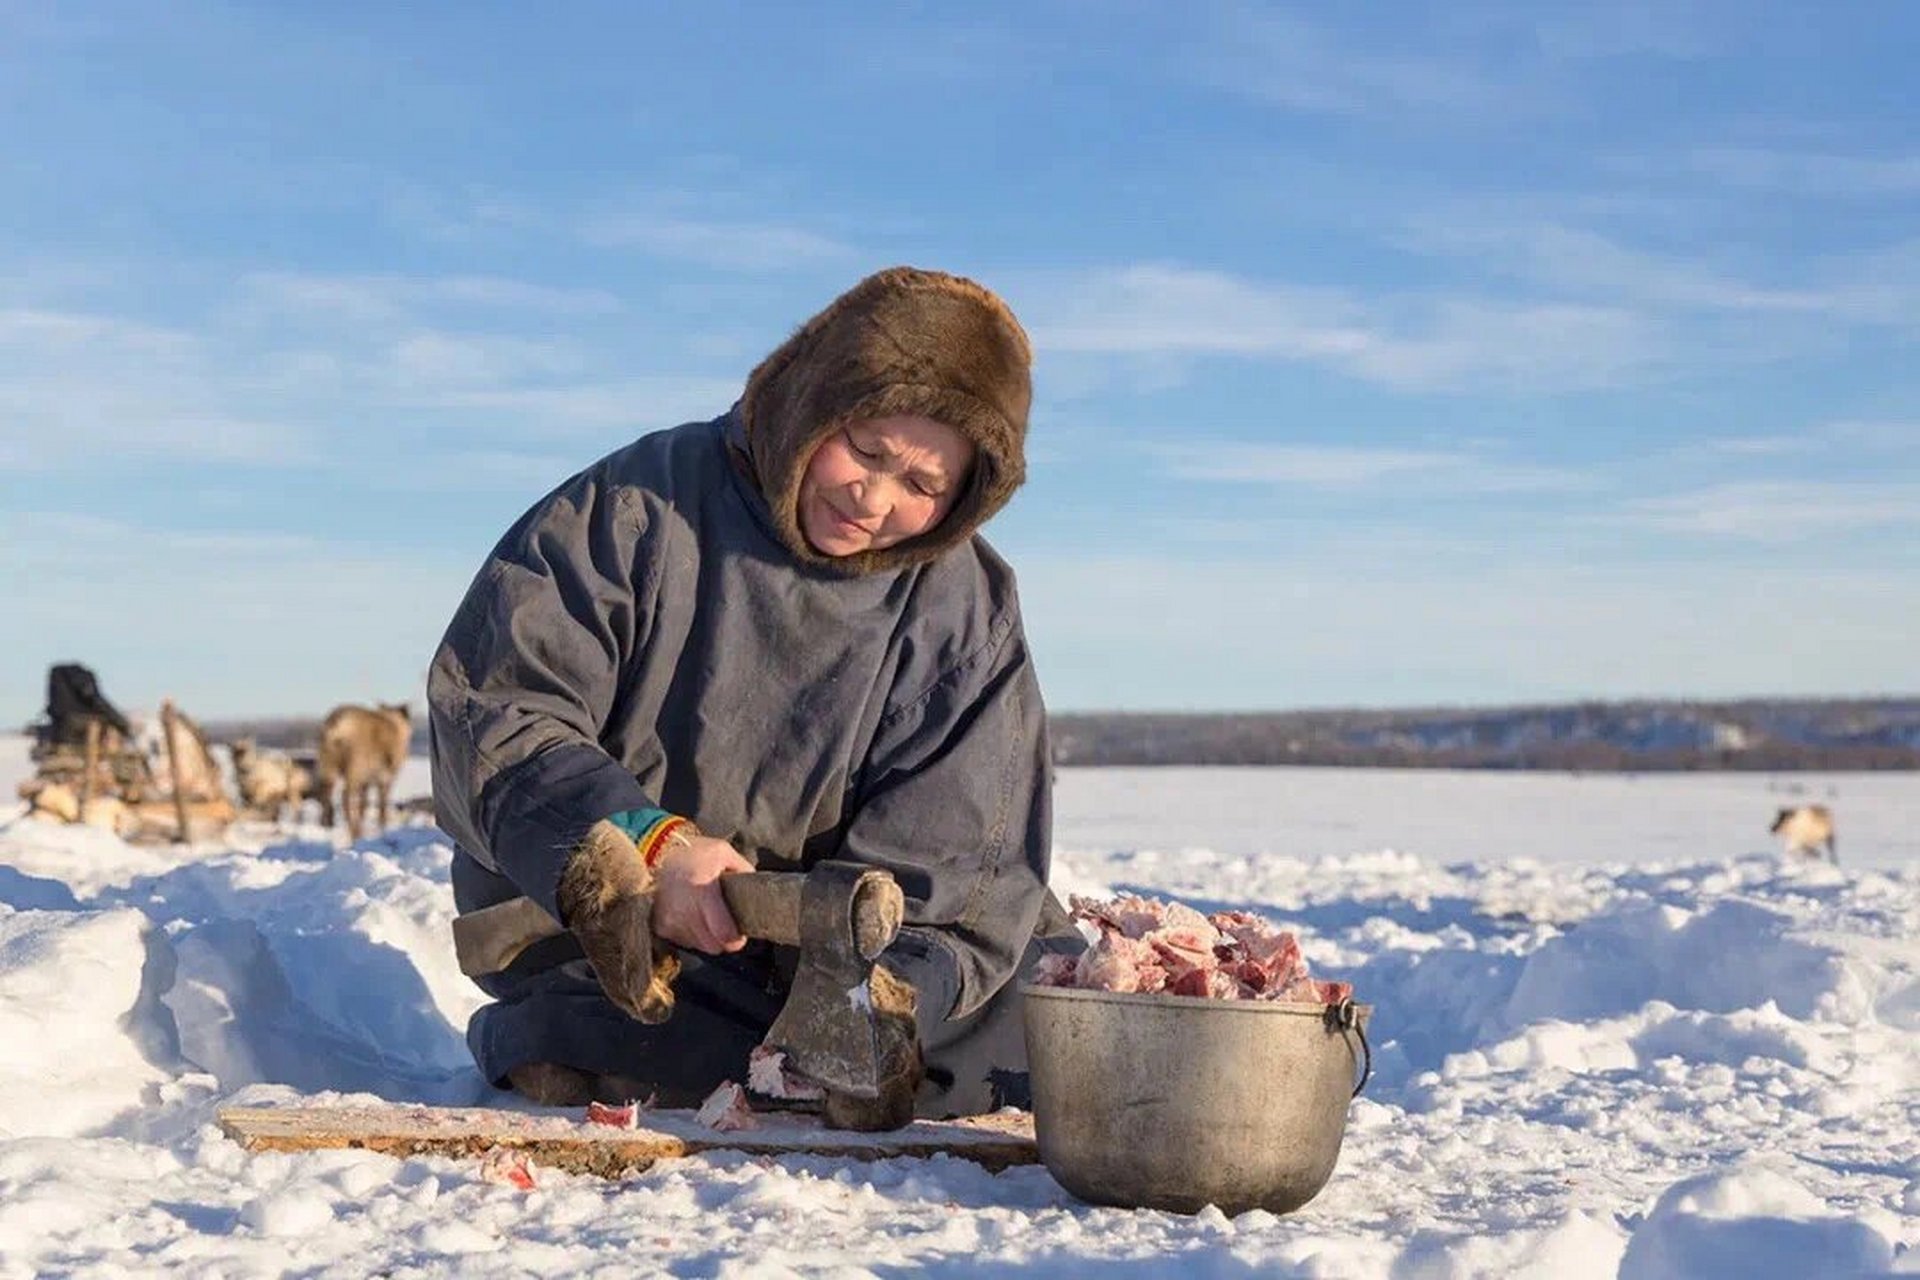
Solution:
(1615, 1036)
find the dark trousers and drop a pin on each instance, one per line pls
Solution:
(551, 1009)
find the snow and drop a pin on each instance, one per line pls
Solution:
(1615, 1034)
(1452, 815)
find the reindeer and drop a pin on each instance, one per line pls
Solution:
(362, 749)
(269, 779)
(1807, 829)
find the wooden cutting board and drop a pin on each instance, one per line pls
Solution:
(566, 1140)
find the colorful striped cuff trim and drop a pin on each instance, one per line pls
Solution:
(661, 836)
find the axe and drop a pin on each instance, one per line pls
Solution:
(841, 916)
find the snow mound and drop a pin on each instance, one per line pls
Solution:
(1732, 955)
(1579, 1247)
(1750, 1221)
(70, 991)
(295, 964)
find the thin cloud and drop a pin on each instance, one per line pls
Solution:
(731, 246)
(1779, 511)
(58, 424)
(642, 403)
(377, 342)
(438, 358)
(1455, 343)
(291, 369)
(1288, 62)
(1164, 309)
(1750, 446)
(1583, 32)
(481, 469)
(76, 386)
(352, 367)
(36, 331)
(1573, 261)
(1882, 286)
(1837, 440)
(1879, 437)
(1461, 66)
(1383, 536)
(1713, 301)
(1810, 174)
(1333, 467)
(1436, 342)
(50, 538)
(1598, 312)
(392, 298)
(253, 583)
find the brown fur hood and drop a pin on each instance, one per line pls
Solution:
(902, 341)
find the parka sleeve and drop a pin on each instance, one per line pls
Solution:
(526, 676)
(957, 803)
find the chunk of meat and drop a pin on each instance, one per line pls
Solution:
(1145, 945)
(624, 1116)
(1269, 962)
(510, 1168)
(1055, 970)
(1137, 917)
(1186, 944)
(1333, 992)
(1120, 963)
(770, 1076)
(1214, 984)
(726, 1109)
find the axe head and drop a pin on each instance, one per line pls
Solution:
(829, 1028)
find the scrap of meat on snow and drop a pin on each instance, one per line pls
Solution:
(510, 1168)
(726, 1109)
(1145, 945)
(770, 1076)
(624, 1116)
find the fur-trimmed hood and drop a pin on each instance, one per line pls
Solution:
(902, 341)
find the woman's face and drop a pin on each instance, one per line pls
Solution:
(879, 481)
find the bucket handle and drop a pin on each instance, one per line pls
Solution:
(1345, 1016)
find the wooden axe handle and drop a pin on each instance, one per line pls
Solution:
(766, 904)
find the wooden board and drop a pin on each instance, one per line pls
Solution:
(566, 1141)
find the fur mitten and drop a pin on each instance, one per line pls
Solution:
(606, 899)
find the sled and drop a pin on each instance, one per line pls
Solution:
(106, 781)
(566, 1140)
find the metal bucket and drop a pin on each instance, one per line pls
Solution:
(1175, 1102)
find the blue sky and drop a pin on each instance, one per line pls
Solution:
(1387, 354)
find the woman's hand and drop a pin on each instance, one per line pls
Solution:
(688, 907)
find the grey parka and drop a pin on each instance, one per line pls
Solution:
(650, 635)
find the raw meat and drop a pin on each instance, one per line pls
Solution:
(1145, 945)
(769, 1076)
(726, 1109)
(510, 1168)
(624, 1116)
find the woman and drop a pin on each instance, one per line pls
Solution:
(762, 641)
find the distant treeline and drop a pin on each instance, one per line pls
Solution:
(290, 733)
(1758, 734)
(1772, 734)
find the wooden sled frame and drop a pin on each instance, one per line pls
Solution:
(178, 816)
